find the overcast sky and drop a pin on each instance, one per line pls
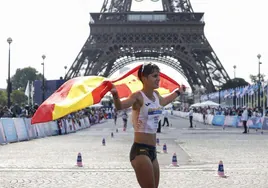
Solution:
(236, 29)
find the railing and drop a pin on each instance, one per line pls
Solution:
(21, 129)
(227, 121)
(146, 17)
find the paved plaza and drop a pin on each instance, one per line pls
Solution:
(51, 161)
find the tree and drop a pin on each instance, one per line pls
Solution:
(255, 78)
(233, 83)
(3, 98)
(18, 96)
(22, 76)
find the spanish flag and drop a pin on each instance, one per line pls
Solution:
(81, 92)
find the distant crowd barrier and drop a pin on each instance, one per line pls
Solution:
(229, 121)
(20, 129)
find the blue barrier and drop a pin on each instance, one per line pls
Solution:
(18, 129)
(265, 124)
(9, 129)
(30, 128)
(47, 129)
(234, 121)
(230, 121)
(218, 120)
(2, 134)
(53, 126)
(254, 123)
(21, 129)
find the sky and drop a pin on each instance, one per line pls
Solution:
(236, 29)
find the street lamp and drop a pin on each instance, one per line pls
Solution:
(234, 98)
(234, 70)
(65, 67)
(43, 81)
(9, 89)
(259, 82)
(264, 83)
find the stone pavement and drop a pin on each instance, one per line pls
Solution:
(50, 162)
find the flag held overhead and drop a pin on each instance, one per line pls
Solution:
(81, 92)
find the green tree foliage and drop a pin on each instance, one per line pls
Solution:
(18, 97)
(233, 83)
(255, 78)
(3, 98)
(22, 76)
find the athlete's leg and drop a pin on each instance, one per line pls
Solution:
(156, 172)
(144, 171)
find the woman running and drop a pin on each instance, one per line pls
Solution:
(146, 109)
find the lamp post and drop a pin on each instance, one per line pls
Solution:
(264, 83)
(43, 81)
(259, 81)
(9, 41)
(234, 98)
(65, 67)
(234, 70)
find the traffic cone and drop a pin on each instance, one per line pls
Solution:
(165, 148)
(103, 141)
(174, 160)
(157, 141)
(79, 160)
(112, 134)
(221, 170)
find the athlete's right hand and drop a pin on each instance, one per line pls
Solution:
(113, 90)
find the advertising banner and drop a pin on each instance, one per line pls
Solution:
(218, 120)
(254, 123)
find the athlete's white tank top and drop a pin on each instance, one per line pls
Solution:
(145, 119)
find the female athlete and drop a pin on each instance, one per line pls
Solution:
(147, 107)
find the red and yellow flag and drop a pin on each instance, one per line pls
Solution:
(81, 92)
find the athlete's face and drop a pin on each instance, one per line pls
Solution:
(153, 79)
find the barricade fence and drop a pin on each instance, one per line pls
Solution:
(21, 129)
(228, 121)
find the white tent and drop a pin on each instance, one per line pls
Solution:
(209, 103)
(176, 102)
(97, 105)
(105, 100)
(195, 105)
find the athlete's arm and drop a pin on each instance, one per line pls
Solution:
(169, 98)
(120, 105)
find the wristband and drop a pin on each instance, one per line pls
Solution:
(178, 92)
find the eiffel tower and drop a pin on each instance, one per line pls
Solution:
(174, 37)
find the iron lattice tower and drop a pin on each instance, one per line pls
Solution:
(174, 36)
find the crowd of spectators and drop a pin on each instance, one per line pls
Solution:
(18, 111)
(95, 115)
(228, 111)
